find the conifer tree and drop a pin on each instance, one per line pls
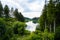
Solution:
(18, 16)
(6, 11)
(1, 9)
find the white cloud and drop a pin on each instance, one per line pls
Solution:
(12, 3)
(33, 8)
(31, 14)
(36, 6)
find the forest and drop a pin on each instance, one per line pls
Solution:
(13, 28)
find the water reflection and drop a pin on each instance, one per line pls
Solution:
(31, 26)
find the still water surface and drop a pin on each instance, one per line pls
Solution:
(31, 26)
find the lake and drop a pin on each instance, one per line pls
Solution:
(31, 26)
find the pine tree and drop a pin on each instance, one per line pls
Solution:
(6, 11)
(21, 17)
(43, 19)
(51, 14)
(1, 9)
(18, 16)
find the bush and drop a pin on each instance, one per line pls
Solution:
(19, 27)
(2, 28)
(47, 35)
(57, 34)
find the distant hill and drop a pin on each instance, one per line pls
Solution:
(27, 19)
(35, 19)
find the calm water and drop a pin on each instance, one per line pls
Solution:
(31, 26)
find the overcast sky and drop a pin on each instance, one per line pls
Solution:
(29, 8)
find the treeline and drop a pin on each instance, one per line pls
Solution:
(14, 28)
(35, 19)
(5, 12)
(11, 27)
(50, 20)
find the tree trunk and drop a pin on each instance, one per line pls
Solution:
(50, 27)
(54, 26)
(45, 24)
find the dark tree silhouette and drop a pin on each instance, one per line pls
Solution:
(1, 9)
(18, 16)
(6, 11)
